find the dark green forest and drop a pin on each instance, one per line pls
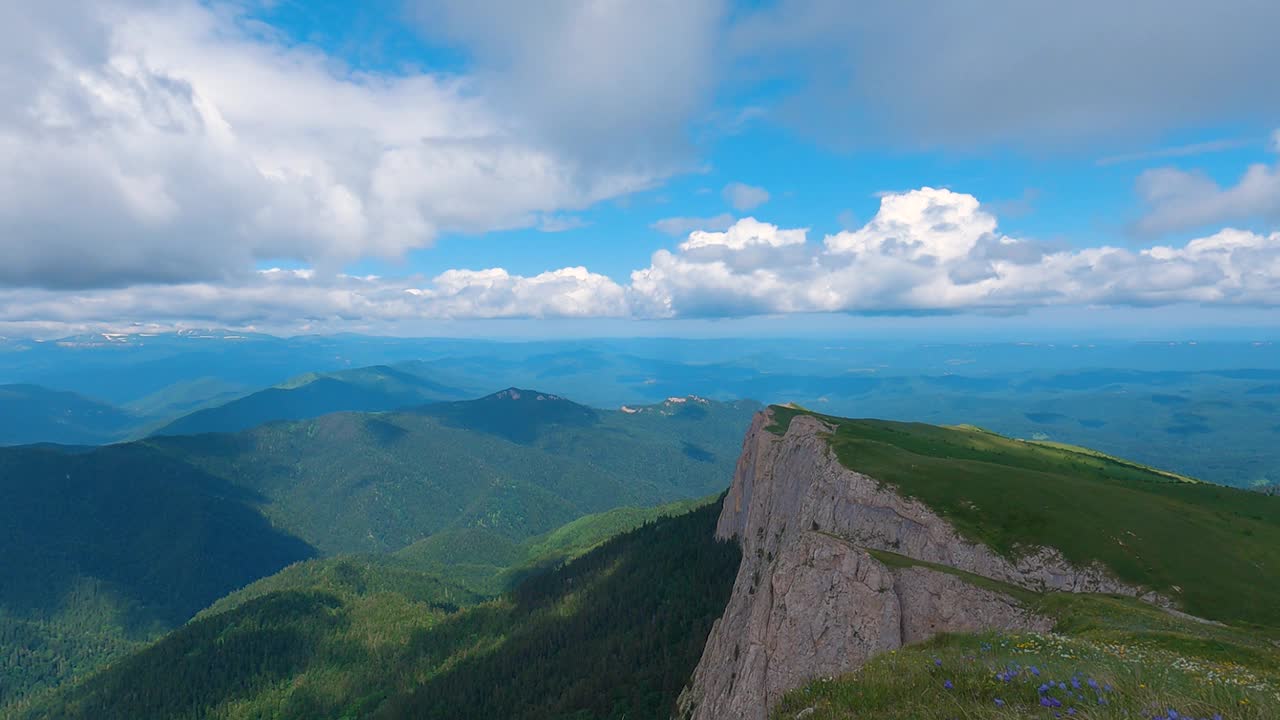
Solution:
(103, 549)
(613, 634)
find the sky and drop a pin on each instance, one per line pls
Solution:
(612, 166)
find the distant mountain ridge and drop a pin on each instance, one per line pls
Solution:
(371, 389)
(1047, 568)
(34, 414)
(515, 414)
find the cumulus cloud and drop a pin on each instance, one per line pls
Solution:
(177, 142)
(934, 250)
(493, 293)
(925, 251)
(1180, 200)
(744, 197)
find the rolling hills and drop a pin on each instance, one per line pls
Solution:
(104, 549)
(615, 632)
(33, 414)
(107, 547)
(612, 634)
(369, 389)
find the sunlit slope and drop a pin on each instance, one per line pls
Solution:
(1215, 550)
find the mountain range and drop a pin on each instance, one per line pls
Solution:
(131, 540)
(990, 566)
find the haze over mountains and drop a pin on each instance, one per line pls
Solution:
(381, 489)
(1203, 408)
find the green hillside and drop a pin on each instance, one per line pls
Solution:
(1107, 659)
(33, 414)
(103, 548)
(614, 634)
(455, 568)
(369, 389)
(361, 483)
(1213, 549)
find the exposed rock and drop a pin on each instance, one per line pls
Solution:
(809, 601)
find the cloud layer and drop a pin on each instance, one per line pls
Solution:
(175, 142)
(938, 73)
(1179, 200)
(925, 251)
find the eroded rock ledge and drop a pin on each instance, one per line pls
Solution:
(811, 601)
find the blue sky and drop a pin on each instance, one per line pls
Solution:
(401, 165)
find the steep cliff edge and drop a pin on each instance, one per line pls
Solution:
(838, 567)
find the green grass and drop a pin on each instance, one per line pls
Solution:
(1145, 679)
(1023, 595)
(1214, 550)
(1151, 660)
(1096, 453)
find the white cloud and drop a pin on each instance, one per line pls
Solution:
(919, 224)
(289, 300)
(745, 233)
(605, 83)
(925, 251)
(744, 197)
(931, 250)
(1179, 200)
(147, 142)
(680, 226)
(493, 293)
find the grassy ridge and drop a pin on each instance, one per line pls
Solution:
(1108, 658)
(1214, 549)
(1000, 677)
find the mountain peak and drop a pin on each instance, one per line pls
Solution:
(517, 414)
(517, 394)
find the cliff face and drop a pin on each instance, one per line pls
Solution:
(811, 601)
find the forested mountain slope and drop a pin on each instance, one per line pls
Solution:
(613, 634)
(34, 414)
(104, 547)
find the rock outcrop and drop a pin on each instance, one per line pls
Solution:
(811, 599)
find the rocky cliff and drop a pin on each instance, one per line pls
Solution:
(811, 598)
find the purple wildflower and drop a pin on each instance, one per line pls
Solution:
(947, 685)
(999, 702)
